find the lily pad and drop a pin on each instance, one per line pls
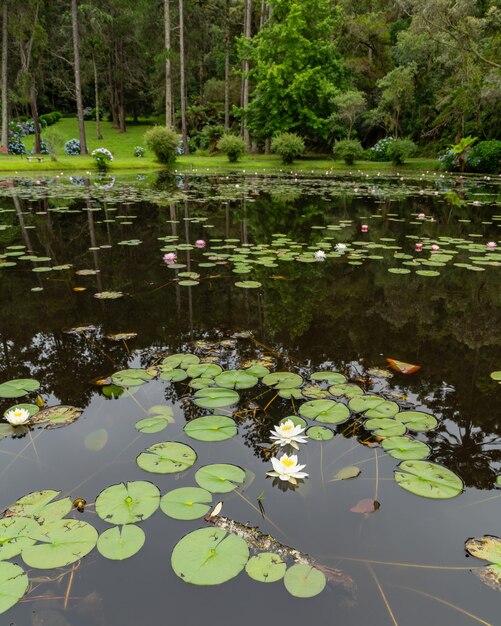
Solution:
(16, 533)
(405, 449)
(496, 376)
(266, 567)
(13, 585)
(220, 477)
(332, 378)
(132, 377)
(181, 360)
(211, 428)
(417, 420)
(18, 387)
(304, 581)
(62, 542)
(325, 411)
(167, 457)
(128, 503)
(283, 380)
(186, 503)
(319, 433)
(387, 408)
(429, 480)
(172, 374)
(118, 544)
(360, 404)
(56, 416)
(295, 419)
(108, 295)
(290, 393)
(39, 506)
(30, 408)
(215, 397)
(153, 424)
(257, 370)
(248, 284)
(350, 471)
(385, 427)
(348, 391)
(209, 556)
(236, 379)
(204, 370)
(487, 548)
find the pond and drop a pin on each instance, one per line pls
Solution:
(364, 308)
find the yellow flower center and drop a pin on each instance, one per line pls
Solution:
(288, 462)
(287, 427)
(18, 413)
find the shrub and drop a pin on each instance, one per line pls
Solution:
(210, 136)
(16, 146)
(485, 157)
(232, 146)
(72, 147)
(349, 150)
(163, 142)
(102, 157)
(400, 149)
(288, 146)
(447, 161)
(379, 151)
(139, 152)
(54, 140)
(47, 119)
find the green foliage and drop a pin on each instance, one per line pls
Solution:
(163, 142)
(210, 136)
(349, 150)
(485, 157)
(232, 146)
(349, 106)
(54, 140)
(400, 149)
(288, 146)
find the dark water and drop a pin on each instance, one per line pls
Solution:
(305, 315)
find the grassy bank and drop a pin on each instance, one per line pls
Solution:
(122, 146)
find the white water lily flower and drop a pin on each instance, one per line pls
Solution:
(287, 469)
(320, 255)
(288, 434)
(16, 417)
(340, 246)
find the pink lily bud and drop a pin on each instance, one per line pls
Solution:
(435, 248)
(419, 247)
(169, 258)
(421, 216)
(364, 228)
(492, 245)
(200, 243)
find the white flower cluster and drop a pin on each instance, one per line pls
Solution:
(102, 151)
(287, 467)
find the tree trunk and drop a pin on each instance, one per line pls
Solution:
(78, 82)
(123, 128)
(34, 113)
(182, 77)
(262, 17)
(245, 69)
(169, 120)
(5, 92)
(99, 135)
(227, 67)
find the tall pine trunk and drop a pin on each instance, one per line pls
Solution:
(34, 113)
(99, 134)
(78, 82)
(245, 69)
(121, 93)
(182, 78)
(227, 67)
(168, 67)
(5, 87)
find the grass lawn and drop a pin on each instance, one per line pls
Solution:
(122, 146)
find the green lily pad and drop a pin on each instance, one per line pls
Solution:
(167, 457)
(56, 416)
(209, 556)
(385, 427)
(13, 585)
(172, 374)
(16, 534)
(496, 376)
(211, 428)
(39, 506)
(201, 383)
(348, 391)
(220, 477)
(181, 360)
(290, 393)
(186, 503)
(386, 408)
(108, 295)
(131, 377)
(313, 391)
(118, 543)
(128, 503)
(325, 411)
(487, 548)
(30, 408)
(18, 387)
(153, 424)
(283, 380)
(215, 397)
(236, 379)
(62, 542)
(257, 370)
(266, 567)
(248, 284)
(405, 449)
(332, 378)
(295, 419)
(304, 581)
(360, 404)
(204, 370)
(350, 471)
(417, 420)
(428, 479)
(319, 433)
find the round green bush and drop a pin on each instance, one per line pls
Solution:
(289, 146)
(400, 149)
(232, 146)
(349, 150)
(162, 141)
(485, 157)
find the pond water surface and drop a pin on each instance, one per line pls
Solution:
(402, 558)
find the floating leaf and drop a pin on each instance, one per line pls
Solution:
(319, 433)
(401, 366)
(204, 370)
(220, 477)
(13, 585)
(167, 457)
(182, 360)
(304, 581)
(108, 295)
(248, 284)
(325, 411)
(152, 425)
(360, 404)
(18, 387)
(236, 379)
(332, 378)
(487, 548)
(211, 428)
(128, 503)
(313, 391)
(405, 449)
(348, 391)
(118, 544)
(290, 393)
(16, 533)
(172, 374)
(121, 336)
(39, 506)
(490, 576)
(350, 471)
(266, 567)
(283, 380)
(257, 370)
(57, 416)
(428, 479)
(186, 503)
(385, 427)
(417, 420)
(30, 408)
(386, 408)
(295, 419)
(496, 376)
(215, 397)
(96, 440)
(132, 377)
(209, 556)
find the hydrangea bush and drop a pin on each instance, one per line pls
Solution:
(379, 151)
(72, 147)
(139, 152)
(102, 157)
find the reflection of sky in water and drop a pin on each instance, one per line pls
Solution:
(310, 315)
